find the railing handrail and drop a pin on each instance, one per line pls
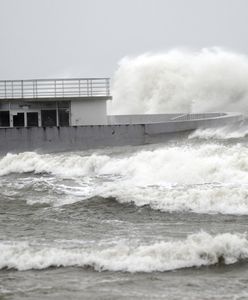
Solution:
(54, 88)
(193, 116)
(52, 79)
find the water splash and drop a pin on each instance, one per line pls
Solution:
(181, 81)
(201, 249)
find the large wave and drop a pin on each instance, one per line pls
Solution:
(197, 250)
(204, 178)
(181, 81)
(164, 166)
(205, 199)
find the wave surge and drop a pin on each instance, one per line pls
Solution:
(202, 178)
(196, 250)
(181, 81)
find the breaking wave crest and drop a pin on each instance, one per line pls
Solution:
(163, 166)
(203, 178)
(206, 199)
(181, 81)
(196, 250)
(65, 165)
(221, 133)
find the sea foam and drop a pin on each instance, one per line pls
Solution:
(205, 199)
(204, 178)
(201, 249)
(221, 133)
(190, 164)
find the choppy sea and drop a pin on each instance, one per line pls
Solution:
(164, 221)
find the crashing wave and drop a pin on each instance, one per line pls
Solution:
(201, 249)
(163, 166)
(181, 81)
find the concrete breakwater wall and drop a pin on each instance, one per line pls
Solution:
(49, 139)
(159, 118)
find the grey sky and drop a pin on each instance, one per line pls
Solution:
(60, 38)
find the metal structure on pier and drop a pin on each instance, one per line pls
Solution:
(62, 89)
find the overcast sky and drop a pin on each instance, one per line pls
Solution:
(81, 38)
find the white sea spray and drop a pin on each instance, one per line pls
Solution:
(204, 178)
(201, 249)
(211, 79)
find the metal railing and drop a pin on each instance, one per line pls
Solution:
(189, 117)
(54, 88)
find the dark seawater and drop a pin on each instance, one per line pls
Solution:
(165, 221)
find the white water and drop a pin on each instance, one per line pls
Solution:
(205, 178)
(197, 250)
(206, 199)
(181, 81)
(221, 133)
(190, 164)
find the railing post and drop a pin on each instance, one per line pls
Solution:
(22, 88)
(33, 89)
(107, 86)
(12, 92)
(5, 89)
(63, 87)
(87, 87)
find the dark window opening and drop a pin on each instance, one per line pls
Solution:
(18, 120)
(48, 105)
(32, 119)
(48, 118)
(63, 104)
(4, 105)
(4, 119)
(63, 117)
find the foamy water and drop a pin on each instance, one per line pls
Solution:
(204, 178)
(222, 133)
(191, 164)
(197, 250)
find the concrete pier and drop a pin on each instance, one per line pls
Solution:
(71, 114)
(49, 139)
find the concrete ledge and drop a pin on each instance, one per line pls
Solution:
(50, 139)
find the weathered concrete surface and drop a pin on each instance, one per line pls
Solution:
(51, 139)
